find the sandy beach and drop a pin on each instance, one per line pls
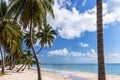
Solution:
(90, 76)
(31, 75)
(53, 75)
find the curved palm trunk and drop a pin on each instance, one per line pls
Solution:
(35, 55)
(20, 67)
(3, 62)
(14, 63)
(40, 49)
(24, 67)
(101, 64)
(11, 60)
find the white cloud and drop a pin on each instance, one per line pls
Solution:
(83, 44)
(62, 52)
(115, 5)
(92, 55)
(115, 54)
(66, 52)
(75, 54)
(64, 3)
(111, 12)
(71, 24)
(112, 58)
(86, 57)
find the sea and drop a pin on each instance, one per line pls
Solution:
(111, 69)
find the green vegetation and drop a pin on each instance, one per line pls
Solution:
(23, 14)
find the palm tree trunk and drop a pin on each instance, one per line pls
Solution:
(35, 55)
(20, 67)
(10, 68)
(3, 62)
(32, 45)
(14, 63)
(40, 49)
(101, 64)
(24, 67)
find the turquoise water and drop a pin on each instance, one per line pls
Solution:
(111, 69)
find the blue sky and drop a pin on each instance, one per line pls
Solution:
(75, 22)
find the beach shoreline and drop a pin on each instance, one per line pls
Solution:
(77, 75)
(53, 75)
(31, 74)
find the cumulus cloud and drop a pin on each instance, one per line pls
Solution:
(66, 52)
(77, 57)
(62, 52)
(84, 57)
(111, 12)
(83, 44)
(112, 58)
(75, 54)
(115, 5)
(72, 24)
(64, 3)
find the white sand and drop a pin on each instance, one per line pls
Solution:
(90, 76)
(32, 75)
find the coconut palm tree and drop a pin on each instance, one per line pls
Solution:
(26, 60)
(14, 52)
(29, 60)
(10, 34)
(11, 39)
(46, 35)
(101, 64)
(31, 14)
(26, 39)
(3, 10)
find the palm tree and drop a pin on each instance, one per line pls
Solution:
(3, 10)
(101, 64)
(14, 52)
(29, 60)
(26, 60)
(11, 40)
(46, 36)
(31, 14)
(26, 39)
(10, 34)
